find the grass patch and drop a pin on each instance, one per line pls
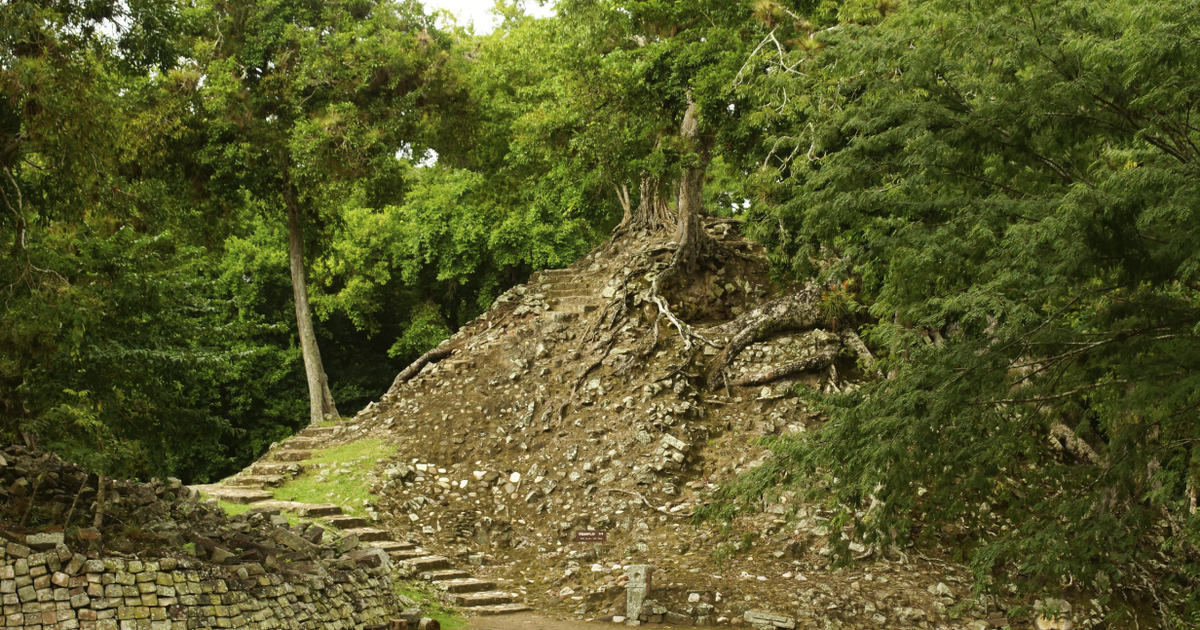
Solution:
(431, 606)
(233, 509)
(324, 482)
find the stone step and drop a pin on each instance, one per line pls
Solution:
(482, 598)
(391, 545)
(444, 574)
(501, 609)
(317, 432)
(428, 563)
(465, 585)
(369, 534)
(408, 554)
(233, 495)
(304, 510)
(286, 455)
(301, 443)
(255, 481)
(346, 522)
(570, 285)
(577, 309)
(590, 299)
(459, 365)
(576, 293)
(268, 468)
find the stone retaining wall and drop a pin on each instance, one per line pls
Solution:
(57, 588)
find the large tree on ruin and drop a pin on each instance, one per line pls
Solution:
(298, 100)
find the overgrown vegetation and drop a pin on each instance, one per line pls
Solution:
(336, 475)
(1014, 186)
(431, 604)
(998, 195)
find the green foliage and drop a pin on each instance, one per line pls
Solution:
(426, 331)
(148, 326)
(1020, 181)
(1005, 192)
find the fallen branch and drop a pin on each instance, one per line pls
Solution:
(71, 512)
(433, 356)
(583, 375)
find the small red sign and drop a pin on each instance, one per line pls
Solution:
(591, 536)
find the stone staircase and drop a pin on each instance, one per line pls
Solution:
(252, 486)
(566, 293)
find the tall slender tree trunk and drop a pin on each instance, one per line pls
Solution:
(688, 232)
(320, 401)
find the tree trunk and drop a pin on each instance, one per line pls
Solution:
(688, 232)
(653, 213)
(320, 401)
(623, 197)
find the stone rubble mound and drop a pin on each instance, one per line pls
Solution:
(571, 406)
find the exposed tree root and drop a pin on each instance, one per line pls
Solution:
(1073, 444)
(562, 409)
(795, 310)
(851, 338)
(819, 361)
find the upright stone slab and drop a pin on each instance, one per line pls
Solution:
(636, 592)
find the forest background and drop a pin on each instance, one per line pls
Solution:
(1000, 195)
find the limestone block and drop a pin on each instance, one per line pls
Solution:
(764, 619)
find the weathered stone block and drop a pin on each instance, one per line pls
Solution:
(44, 540)
(765, 619)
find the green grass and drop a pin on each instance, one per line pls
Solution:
(233, 509)
(431, 606)
(348, 490)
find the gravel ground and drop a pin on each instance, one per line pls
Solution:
(530, 621)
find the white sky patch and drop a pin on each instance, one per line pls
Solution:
(479, 12)
(429, 159)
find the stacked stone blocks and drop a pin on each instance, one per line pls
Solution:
(59, 589)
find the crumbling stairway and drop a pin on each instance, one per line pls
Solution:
(566, 293)
(253, 486)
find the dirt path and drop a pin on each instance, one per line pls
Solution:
(530, 621)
